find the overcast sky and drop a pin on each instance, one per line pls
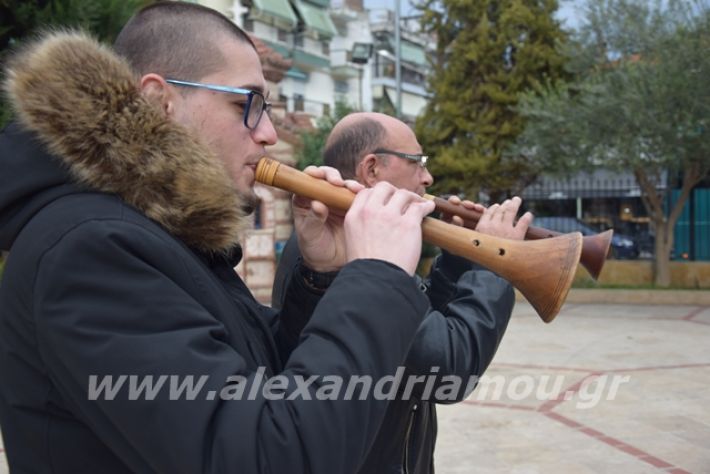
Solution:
(569, 9)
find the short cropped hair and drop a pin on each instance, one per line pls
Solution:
(177, 39)
(347, 147)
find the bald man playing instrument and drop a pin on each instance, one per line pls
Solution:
(470, 306)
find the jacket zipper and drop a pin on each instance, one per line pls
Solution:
(405, 460)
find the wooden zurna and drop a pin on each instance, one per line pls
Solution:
(542, 270)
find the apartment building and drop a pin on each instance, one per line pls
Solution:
(339, 52)
(414, 67)
(299, 30)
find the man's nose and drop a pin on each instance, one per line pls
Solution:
(265, 133)
(427, 178)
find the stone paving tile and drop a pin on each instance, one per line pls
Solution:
(702, 316)
(628, 311)
(489, 440)
(657, 421)
(659, 414)
(582, 341)
(525, 388)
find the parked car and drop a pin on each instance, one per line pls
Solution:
(622, 246)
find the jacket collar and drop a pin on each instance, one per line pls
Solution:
(83, 102)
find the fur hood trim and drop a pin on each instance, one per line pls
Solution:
(83, 101)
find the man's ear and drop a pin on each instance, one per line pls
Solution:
(367, 170)
(154, 88)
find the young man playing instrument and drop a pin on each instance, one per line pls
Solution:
(123, 188)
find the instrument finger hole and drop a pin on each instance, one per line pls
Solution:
(476, 242)
(501, 252)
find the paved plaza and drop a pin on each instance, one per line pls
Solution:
(658, 419)
(604, 388)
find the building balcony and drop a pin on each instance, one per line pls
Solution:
(303, 61)
(341, 65)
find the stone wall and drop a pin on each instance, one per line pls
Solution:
(258, 265)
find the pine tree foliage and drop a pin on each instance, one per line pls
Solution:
(488, 54)
(21, 19)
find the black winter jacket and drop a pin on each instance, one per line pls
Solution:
(122, 243)
(470, 310)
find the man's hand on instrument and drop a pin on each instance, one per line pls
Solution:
(499, 220)
(385, 223)
(320, 234)
(456, 220)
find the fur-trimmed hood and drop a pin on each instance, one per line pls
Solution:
(82, 102)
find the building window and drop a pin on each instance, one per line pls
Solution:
(298, 102)
(298, 40)
(257, 215)
(412, 77)
(326, 109)
(248, 24)
(326, 48)
(282, 35)
(389, 70)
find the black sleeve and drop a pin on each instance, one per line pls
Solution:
(294, 299)
(105, 304)
(471, 307)
(298, 304)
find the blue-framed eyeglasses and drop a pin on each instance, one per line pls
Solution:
(255, 105)
(420, 159)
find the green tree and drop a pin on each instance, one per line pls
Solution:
(640, 104)
(20, 19)
(312, 142)
(488, 53)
